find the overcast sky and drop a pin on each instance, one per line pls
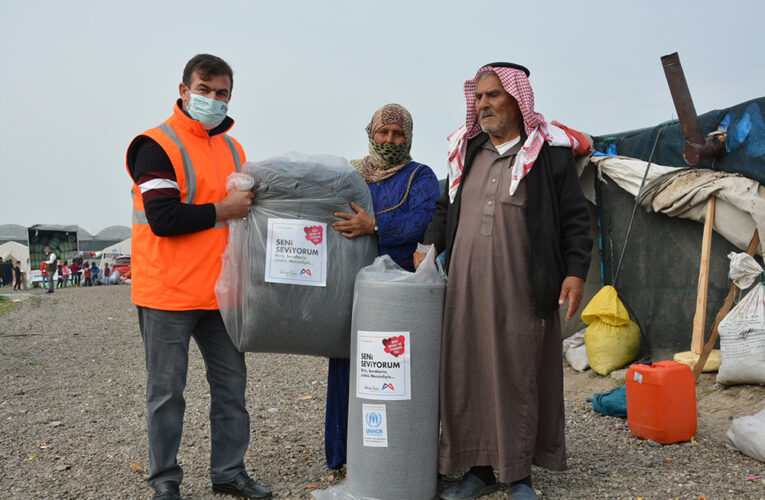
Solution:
(81, 79)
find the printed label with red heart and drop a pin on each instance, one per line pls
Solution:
(394, 345)
(314, 234)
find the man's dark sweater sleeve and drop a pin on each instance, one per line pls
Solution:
(153, 173)
(435, 234)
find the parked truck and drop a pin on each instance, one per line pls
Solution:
(61, 239)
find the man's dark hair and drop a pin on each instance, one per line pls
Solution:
(207, 66)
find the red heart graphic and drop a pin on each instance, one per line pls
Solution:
(314, 234)
(394, 345)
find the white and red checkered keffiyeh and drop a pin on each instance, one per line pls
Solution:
(537, 129)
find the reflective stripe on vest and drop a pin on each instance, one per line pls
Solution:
(234, 152)
(188, 168)
(139, 216)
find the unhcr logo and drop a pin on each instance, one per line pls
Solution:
(374, 419)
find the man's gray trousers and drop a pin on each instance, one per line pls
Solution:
(166, 336)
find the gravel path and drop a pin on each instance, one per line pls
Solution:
(72, 419)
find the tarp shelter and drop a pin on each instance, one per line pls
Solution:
(17, 252)
(110, 253)
(659, 274)
(745, 144)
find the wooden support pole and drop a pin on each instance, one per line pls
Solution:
(724, 310)
(699, 320)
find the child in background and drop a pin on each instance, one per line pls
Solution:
(17, 273)
(94, 272)
(67, 272)
(86, 267)
(107, 272)
(60, 274)
(74, 269)
(44, 271)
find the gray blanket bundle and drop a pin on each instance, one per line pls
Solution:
(393, 440)
(262, 316)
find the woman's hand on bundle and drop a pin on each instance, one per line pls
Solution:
(418, 257)
(354, 225)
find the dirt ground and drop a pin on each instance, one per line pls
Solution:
(72, 419)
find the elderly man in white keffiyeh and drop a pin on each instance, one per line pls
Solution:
(514, 226)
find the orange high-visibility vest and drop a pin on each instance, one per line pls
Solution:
(178, 273)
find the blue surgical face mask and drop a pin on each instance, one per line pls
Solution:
(209, 112)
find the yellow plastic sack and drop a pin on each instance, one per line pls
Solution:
(611, 347)
(606, 306)
(611, 339)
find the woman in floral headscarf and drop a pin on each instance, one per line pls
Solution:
(404, 194)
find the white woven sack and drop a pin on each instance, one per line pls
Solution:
(742, 332)
(747, 435)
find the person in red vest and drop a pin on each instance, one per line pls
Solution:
(180, 207)
(44, 273)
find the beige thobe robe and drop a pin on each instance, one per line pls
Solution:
(501, 391)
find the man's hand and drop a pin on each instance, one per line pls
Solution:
(235, 205)
(418, 257)
(355, 225)
(571, 289)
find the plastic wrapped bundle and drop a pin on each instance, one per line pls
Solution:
(393, 403)
(286, 284)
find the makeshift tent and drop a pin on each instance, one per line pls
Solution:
(745, 144)
(110, 253)
(17, 252)
(659, 275)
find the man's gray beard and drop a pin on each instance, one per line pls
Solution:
(495, 130)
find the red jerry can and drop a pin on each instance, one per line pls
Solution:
(661, 402)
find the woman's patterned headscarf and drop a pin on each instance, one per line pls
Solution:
(384, 160)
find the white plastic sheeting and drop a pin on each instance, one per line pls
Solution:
(683, 192)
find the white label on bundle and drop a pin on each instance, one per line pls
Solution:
(383, 368)
(296, 252)
(375, 426)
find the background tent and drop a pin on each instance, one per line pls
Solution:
(16, 251)
(110, 253)
(13, 232)
(112, 235)
(106, 237)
